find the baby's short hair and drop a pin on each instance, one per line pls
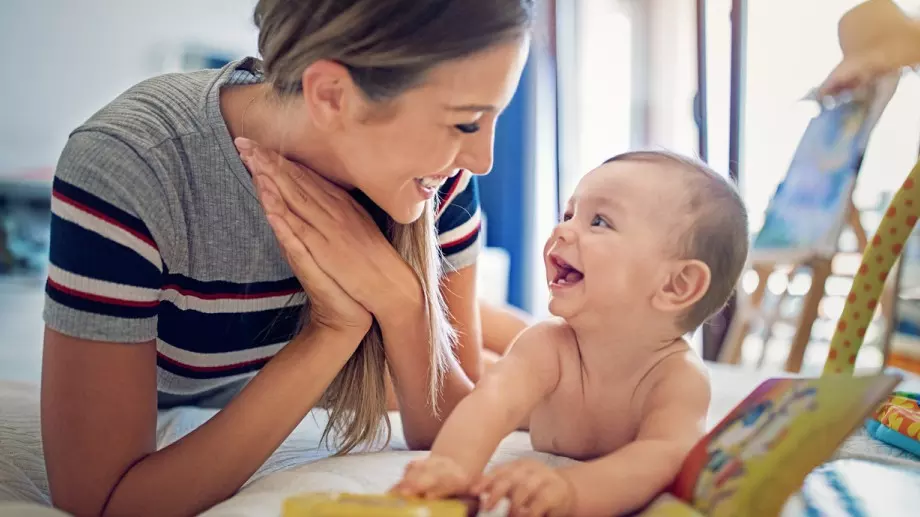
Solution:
(717, 235)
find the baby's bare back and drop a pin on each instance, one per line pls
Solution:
(588, 416)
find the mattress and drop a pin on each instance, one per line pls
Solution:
(303, 463)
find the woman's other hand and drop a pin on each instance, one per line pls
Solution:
(877, 39)
(330, 305)
(334, 230)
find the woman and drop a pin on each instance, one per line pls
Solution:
(170, 283)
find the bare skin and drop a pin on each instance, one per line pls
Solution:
(99, 400)
(498, 326)
(877, 39)
(609, 381)
(501, 325)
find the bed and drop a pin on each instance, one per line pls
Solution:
(302, 463)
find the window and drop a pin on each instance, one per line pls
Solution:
(595, 62)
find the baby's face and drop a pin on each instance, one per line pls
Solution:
(615, 241)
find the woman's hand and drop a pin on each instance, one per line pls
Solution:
(330, 305)
(334, 231)
(877, 39)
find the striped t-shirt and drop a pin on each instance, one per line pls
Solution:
(157, 233)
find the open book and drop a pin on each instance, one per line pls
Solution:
(771, 446)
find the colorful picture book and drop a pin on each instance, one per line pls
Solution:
(763, 451)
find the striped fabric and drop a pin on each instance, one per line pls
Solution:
(156, 235)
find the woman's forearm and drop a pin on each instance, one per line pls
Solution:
(406, 339)
(501, 325)
(211, 463)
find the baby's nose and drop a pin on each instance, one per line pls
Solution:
(564, 233)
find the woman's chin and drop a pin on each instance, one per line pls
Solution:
(407, 214)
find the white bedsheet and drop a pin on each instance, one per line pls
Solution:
(302, 463)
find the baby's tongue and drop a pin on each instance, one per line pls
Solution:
(573, 276)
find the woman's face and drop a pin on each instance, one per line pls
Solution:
(399, 155)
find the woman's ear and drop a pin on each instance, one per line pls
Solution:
(327, 86)
(685, 285)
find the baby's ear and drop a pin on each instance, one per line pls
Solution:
(685, 284)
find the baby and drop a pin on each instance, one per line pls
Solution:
(650, 246)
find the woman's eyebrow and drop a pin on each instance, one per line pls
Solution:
(476, 108)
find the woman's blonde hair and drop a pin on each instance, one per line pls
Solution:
(387, 46)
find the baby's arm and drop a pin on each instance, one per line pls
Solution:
(673, 420)
(501, 400)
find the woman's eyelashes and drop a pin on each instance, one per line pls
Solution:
(468, 128)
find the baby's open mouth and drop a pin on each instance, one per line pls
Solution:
(565, 273)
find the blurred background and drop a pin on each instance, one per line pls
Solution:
(718, 79)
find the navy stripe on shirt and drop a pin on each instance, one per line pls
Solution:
(86, 253)
(181, 370)
(206, 333)
(102, 209)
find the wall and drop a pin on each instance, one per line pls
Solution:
(65, 59)
(520, 195)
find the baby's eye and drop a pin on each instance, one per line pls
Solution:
(468, 128)
(600, 221)
(566, 216)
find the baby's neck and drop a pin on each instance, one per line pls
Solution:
(609, 350)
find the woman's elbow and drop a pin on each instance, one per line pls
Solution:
(419, 441)
(67, 498)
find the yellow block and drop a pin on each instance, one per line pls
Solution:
(357, 505)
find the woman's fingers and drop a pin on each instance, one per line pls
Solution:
(298, 238)
(307, 179)
(304, 202)
(299, 257)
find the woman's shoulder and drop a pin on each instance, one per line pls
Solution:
(154, 137)
(155, 110)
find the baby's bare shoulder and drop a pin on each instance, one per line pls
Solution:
(679, 378)
(550, 335)
(540, 346)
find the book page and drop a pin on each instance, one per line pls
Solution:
(755, 458)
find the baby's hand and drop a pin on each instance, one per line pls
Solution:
(534, 489)
(432, 478)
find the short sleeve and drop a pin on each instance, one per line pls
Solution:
(105, 271)
(459, 221)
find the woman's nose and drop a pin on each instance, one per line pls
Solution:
(477, 154)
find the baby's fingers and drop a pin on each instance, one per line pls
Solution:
(526, 491)
(419, 482)
(497, 488)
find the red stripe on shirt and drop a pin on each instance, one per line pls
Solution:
(99, 298)
(218, 368)
(464, 238)
(230, 296)
(100, 215)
